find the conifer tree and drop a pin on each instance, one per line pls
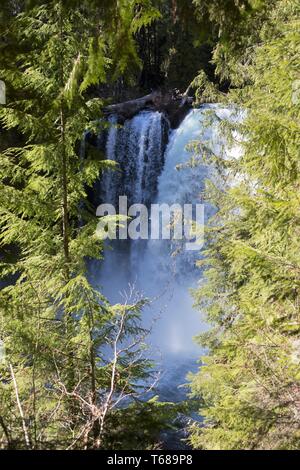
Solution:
(248, 385)
(67, 357)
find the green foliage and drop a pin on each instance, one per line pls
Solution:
(69, 358)
(249, 383)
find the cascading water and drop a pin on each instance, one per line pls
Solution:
(161, 269)
(138, 148)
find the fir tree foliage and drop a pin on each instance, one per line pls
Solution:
(68, 358)
(248, 385)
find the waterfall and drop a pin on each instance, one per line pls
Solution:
(161, 269)
(138, 148)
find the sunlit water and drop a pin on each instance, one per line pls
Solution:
(161, 270)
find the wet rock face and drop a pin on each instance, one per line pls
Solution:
(176, 113)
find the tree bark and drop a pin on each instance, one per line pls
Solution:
(174, 105)
(25, 430)
(128, 109)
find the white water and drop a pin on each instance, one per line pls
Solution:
(149, 175)
(138, 148)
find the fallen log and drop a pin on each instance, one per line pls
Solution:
(172, 104)
(128, 109)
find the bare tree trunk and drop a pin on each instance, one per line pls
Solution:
(25, 429)
(112, 380)
(96, 426)
(65, 217)
(64, 169)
